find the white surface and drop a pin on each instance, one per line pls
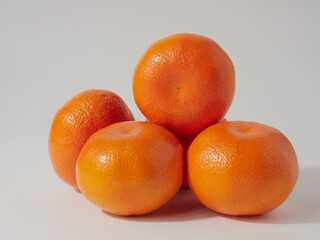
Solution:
(51, 50)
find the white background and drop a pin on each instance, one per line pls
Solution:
(51, 50)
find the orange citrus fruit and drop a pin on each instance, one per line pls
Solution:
(184, 82)
(130, 168)
(241, 168)
(185, 142)
(76, 121)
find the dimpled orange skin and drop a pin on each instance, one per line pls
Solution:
(130, 168)
(186, 142)
(184, 82)
(241, 168)
(76, 121)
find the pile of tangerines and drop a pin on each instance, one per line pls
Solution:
(184, 85)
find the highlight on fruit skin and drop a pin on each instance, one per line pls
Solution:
(130, 168)
(76, 121)
(184, 82)
(241, 168)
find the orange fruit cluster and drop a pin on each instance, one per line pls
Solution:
(184, 85)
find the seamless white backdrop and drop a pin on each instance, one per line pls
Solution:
(51, 50)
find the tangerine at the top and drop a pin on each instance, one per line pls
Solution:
(184, 82)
